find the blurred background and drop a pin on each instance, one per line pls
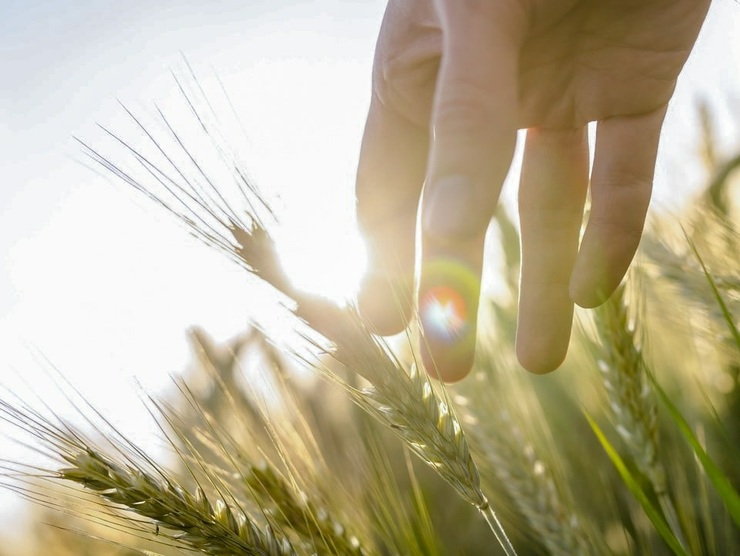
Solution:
(97, 282)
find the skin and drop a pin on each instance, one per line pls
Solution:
(453, 81)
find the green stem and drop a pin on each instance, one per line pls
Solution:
(671, 517)
(498, 530)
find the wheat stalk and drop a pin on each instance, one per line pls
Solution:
(295, 510)
(631, 397)
(137, 484)
(212, 528)
(493, 406)
(405, 401)
(530, 484)
(278, 495)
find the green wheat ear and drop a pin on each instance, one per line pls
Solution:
(633, 484)
(726, 314)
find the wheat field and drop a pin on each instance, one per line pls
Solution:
(630, 448)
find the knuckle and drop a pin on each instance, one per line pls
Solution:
(627, 228)
(405, 66)
(466, 108)
(629, 179)
(404, 88)
(470, 115)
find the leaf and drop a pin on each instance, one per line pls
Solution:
(717, 294)
(652, 512)
(720, 481)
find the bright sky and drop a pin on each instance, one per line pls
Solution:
(103, 284)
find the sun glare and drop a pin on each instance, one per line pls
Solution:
(323, 257)
(301, 152)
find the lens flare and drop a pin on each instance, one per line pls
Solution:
(444, 313)
(447, 303)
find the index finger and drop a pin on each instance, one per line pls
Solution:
(393, 160)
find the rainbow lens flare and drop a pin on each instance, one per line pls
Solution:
(448, 301)
(444, 313)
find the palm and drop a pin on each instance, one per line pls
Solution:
(581, 61)
(601, 59)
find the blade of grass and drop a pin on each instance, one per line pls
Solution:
(717, 294)
(720, 481)
(426, 528)
(652, 512)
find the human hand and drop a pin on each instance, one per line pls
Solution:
(452, 82)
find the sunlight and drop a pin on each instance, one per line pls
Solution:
(323, 257)
(303, 157)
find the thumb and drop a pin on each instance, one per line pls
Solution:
(474, 123)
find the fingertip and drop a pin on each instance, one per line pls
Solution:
(385, 304)
(543, 329)
(590, 284)
(540, 358)
(588, 297)
(445, 365)
(390, 176)
(448, 313)
(621, 187)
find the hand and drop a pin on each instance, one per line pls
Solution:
(453, 80)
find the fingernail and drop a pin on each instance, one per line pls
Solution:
(449, 208)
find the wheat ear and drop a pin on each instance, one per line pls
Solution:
(292, 509)
(208, 449)
(405, 401)
(631, 397)
(137, 484)
(216, 529)
(501, 438)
